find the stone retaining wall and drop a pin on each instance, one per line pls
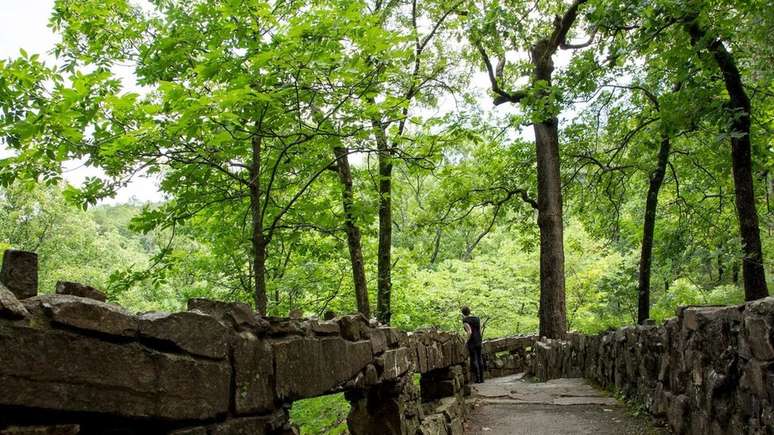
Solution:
(708, 371)
(507, 356)
(74, 364)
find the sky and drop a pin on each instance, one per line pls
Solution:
(24, 24)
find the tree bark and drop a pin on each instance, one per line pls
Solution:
(648, 229)
(754, 275)
(553, 310)
(258, 238)
(384, 262)
(353, 232)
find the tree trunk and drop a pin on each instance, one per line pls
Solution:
(553, 312)
(648, 228)
(436, 245)
(754, 275)
(353, 232)
(384, 262)
(258, 238)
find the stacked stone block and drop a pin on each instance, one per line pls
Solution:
(72, 363)
(710, 370)
(507, 356)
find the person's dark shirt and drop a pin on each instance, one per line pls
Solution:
(475, 330)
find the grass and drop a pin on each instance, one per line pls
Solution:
(321, 415)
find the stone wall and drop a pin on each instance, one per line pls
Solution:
(507, 356)
(72, 363)
(708, 371)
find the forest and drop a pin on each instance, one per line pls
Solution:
(557, 166)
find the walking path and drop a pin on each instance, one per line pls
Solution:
(512, 405)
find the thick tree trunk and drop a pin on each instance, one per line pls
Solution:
(353, 232)
(648, 228)
(553, 311)
(258, 238)
(384, 261)
(754, 275)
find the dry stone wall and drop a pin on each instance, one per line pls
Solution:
(710, 370)
(71, 363)
(507, 355)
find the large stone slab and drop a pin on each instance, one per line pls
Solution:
(378, 341)
(697, 317)
(20, 273)
(59, 370)
(191, 331)
(253, 374)
(759, 336)
(10, 307)
(235, 314)
(354, 327)
(78, 289)
(86, 314)
(396, 362)
(325, 327)
(509, 344)
(308, 367)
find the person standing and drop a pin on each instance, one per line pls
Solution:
(472, 325)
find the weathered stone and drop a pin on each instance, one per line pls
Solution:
(253, 374)
(392, 335)
(762, 307)
(193, 332)
(82, 290)
(378, 341)
(10, 307)
(86, 314)
(20, 273)
(754, 377)
(281, 327)
(433, 425)
(307, 367)
(759, 335)
(371, 375)
(234, 314)
(677, 413)
(62, 429)
(59, 370)
(396, 363)
(241, 426)
(420, 362)
(697, 316)
(325, 328)
(508, 344)
(352, 327)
